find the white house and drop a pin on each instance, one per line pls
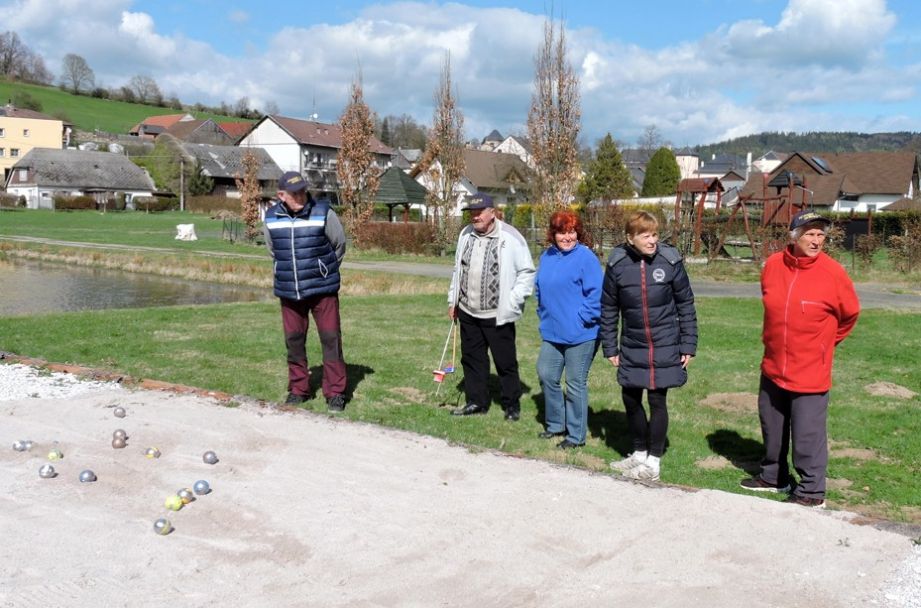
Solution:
(308, 147)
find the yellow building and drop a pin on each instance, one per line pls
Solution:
(22, 130)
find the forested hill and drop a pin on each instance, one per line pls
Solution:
(818, 141)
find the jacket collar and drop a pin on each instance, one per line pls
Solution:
(799, 262)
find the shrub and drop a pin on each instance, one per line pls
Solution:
(400, 237)
(212, 203)
(9, 200)
(153, 204)
(63, 202)
(905, 249)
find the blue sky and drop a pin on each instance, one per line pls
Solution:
(700, 71)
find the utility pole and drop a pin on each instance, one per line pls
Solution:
(181, 184)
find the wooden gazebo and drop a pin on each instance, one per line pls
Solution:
(398, 188)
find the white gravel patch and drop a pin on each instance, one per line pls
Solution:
(23, 382)
(904, 591)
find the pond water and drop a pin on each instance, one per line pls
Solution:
(28, 287)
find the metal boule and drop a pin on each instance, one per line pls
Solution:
(55, 454)
(87, 476)
(46, 471)
(28, 443)
(118, 443)
(162, 526)
(209, 457)
(119, 433)
(19, 446)
(119, 412)
(186, 495)
(201, 487)
(152, 452)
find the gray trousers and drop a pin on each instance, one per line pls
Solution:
(802, 417)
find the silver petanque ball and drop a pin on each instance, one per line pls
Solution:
(162, 526)
(119, 412)
(209, 457)
(119, 434)
(87, 476)
(46, 471)
(186, 495)
(201, 487)
(118, 443)
(152, 453)
(28, 443)
(19, 446)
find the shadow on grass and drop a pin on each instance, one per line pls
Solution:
(354, 374)
(744, 454)
(457, 398)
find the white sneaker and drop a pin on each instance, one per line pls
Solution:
(644, 472)
(630, 462)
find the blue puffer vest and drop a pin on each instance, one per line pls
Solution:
(305, 262)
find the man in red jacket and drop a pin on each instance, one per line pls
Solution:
(810, 306)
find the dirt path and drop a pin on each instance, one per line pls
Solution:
(309, 510)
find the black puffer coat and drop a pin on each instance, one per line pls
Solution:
(652, 302)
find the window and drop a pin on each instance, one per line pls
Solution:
(14, 151)
(871, 208)
(2, 152)
(2, 132)
(25, 132)
(23, 175)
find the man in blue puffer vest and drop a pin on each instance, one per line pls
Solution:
(307, 242)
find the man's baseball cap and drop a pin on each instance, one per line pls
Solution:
(479, 201)
(292, 181)
(807, 217)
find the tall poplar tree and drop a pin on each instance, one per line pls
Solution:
(358, 176)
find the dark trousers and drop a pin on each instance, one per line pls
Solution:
(802, 417)
(648, 434)
(479, 337)
(295, 320)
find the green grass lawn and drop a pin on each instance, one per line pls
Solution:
(88, 113)
(393, 343)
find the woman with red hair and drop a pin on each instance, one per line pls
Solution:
(568, 288)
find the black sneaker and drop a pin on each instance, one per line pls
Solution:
(806, 501)
(294, 399)
(756, 484)
(513, 415)
(336, 403)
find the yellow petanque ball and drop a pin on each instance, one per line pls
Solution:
(173, 503)
(55, 455)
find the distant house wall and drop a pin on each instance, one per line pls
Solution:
(24, 134)
(865, 202)
(688, 165)
(283, 149)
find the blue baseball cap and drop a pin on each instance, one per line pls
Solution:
(807, 217)
(292, 181)
(480, 201)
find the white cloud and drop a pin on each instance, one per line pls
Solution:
(792, 73)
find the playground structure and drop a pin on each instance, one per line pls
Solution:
(771, 211)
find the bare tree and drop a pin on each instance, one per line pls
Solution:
(11, 53)
(250, 192)
(76, 74)
(650, 141)
(270, 108)
(553, 125)
(145, 89)
(443, 160)
(358, 175)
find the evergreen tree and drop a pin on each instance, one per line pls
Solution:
(385, 131)
(607, 177)
(662, 174)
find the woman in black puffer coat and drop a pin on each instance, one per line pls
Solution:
(649, 332)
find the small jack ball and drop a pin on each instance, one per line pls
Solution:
(87, 476)
(162, 526)
(55, 455)
(209, 457)
(119, 412)
(201, 487)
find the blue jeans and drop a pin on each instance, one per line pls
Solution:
(568, 414)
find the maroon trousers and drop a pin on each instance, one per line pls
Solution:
(295, 320)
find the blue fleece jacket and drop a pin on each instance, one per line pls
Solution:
(568, 288)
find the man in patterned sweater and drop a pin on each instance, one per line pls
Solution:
(493, 275)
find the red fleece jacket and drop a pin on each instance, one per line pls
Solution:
(809, 307)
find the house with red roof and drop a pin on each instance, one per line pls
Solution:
(152, 126)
